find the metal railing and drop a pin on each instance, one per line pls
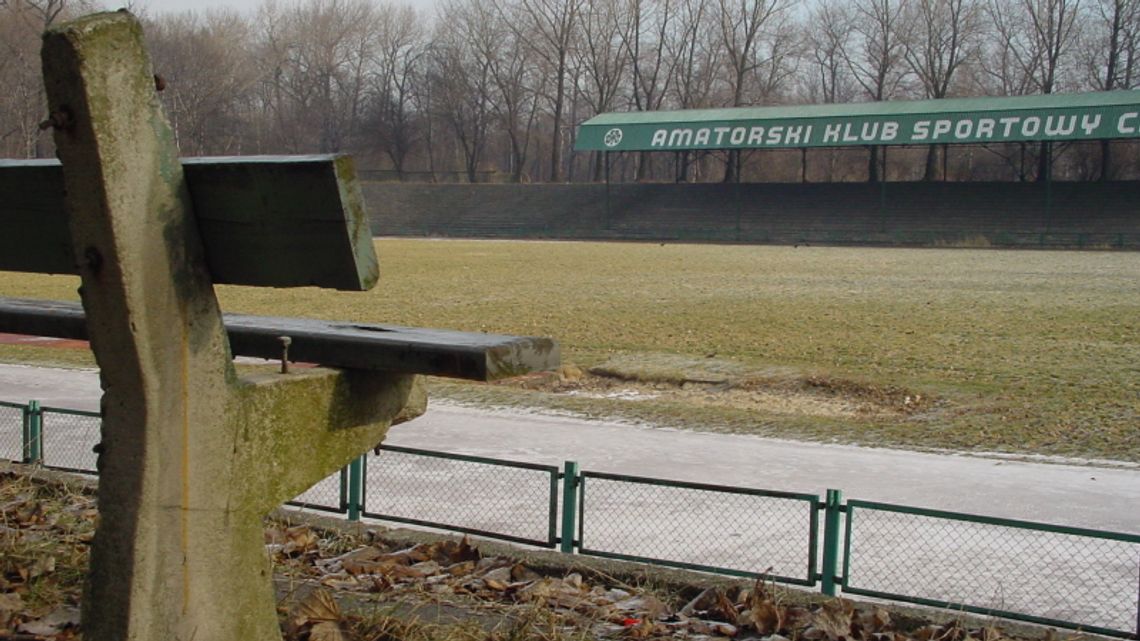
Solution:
(1042, 573)
(461, 493)
(68, 439)
(738, 531)
(13, 431)
(1037, 572)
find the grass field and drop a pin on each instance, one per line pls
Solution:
(1017, 351)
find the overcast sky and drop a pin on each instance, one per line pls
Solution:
(244, 6)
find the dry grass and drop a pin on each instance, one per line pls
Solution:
(1013, 350)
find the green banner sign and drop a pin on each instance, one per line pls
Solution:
(642, 132)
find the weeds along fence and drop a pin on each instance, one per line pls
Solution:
(1060, 576)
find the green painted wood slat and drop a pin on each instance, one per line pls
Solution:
(265, 220)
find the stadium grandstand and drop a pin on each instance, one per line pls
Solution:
(1028, 207)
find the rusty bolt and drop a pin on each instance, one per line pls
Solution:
(285, 342)
(58, 119)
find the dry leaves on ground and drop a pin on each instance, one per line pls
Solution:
(457, 573)
(44, 533)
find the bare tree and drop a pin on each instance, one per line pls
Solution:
(1010, 64)
(647, 25)
(743, 27)
(1110, 43)
(207, 75)
(875, 55)
(942, 37)
(461, 86)
(396, 71)
(319, 55)
(692, 48)
(549, 28)
(601, 59)
(827, 37)
(22, 102)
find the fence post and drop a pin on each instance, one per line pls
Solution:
(569, 505)
(356, 488)
(33, 433)
(832, 507)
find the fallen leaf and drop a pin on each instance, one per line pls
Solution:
(990, 633)
(538, 590)
(499, 575)
(767, 618)
(380, 584)
(299, 540)
(492, 584)
(880, 618)
(700, 603)
(729, 630)
(461, 568)
(61, 619)
(723, 608)
(833, 618)
(11, 602)
(38, 568)
(520, 573)
(327, 631)
(318, 606)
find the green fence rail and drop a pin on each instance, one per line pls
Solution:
(456, 492)
(1066, 577)
(67, 438)
(14, 437)
(1072, 573)
(771, 534)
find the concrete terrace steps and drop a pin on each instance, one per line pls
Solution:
(1064, 214)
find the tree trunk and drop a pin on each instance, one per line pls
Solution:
(1045, 162)
(931, 171)
(642, 166)
(873, 164)
(1105, 160)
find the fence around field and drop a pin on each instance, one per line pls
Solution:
(1055, 575)
(700, 527)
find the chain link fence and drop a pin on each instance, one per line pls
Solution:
(499, 499)
(1061, 576)
(1037, 572)
(328, 495)
(11, 431)
(69, 438)
(704, 527)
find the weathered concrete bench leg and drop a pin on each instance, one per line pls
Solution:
(192, 456)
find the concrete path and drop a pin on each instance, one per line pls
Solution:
(1064, 577)
(1091, 496)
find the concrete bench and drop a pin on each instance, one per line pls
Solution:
(193, 455)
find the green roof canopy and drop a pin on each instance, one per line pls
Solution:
(1086, 116)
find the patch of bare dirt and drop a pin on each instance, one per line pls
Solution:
(709, 384)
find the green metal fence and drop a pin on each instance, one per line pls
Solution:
(699, 526)
(13, 431)
(464, 494)
(1041, 573)
(329, 495)
(67, 439)
(1037, 572)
